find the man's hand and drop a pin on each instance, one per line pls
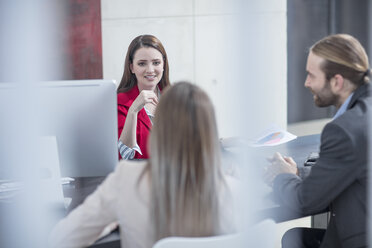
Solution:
(279, 165)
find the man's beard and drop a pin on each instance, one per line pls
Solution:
(325, 97)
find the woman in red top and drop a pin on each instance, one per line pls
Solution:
(146, 73)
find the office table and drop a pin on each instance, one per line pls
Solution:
(299, 149)
(15, 234)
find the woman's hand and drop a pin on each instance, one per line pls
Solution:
(145, 97)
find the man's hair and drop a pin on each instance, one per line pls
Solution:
(344, 55)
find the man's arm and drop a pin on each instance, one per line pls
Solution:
(334, 171)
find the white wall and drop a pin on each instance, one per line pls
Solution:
(206, 42)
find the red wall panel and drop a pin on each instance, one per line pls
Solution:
(84, 39)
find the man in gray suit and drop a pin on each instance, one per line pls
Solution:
(338, 74)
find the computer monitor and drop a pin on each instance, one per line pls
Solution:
(82, 115)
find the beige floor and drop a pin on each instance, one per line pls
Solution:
(299, 129)
(307, 127)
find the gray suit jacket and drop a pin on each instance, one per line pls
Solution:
(338, 180)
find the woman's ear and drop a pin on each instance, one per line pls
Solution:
(131, 68)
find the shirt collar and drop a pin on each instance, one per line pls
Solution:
(343, 107)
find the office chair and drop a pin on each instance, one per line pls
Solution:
(223, 241)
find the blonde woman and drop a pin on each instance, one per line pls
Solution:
(179, 191)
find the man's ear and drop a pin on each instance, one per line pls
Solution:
(337, 83)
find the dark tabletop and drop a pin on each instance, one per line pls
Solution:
(299, 149)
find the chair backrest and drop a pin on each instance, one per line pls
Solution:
(223, 241)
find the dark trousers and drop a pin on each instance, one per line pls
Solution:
(303, 238)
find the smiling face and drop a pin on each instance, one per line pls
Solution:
(316, 82)
(148, 66)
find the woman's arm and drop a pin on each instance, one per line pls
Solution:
(128, 134)
(83, 226)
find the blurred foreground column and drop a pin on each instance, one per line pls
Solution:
(29, 52)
